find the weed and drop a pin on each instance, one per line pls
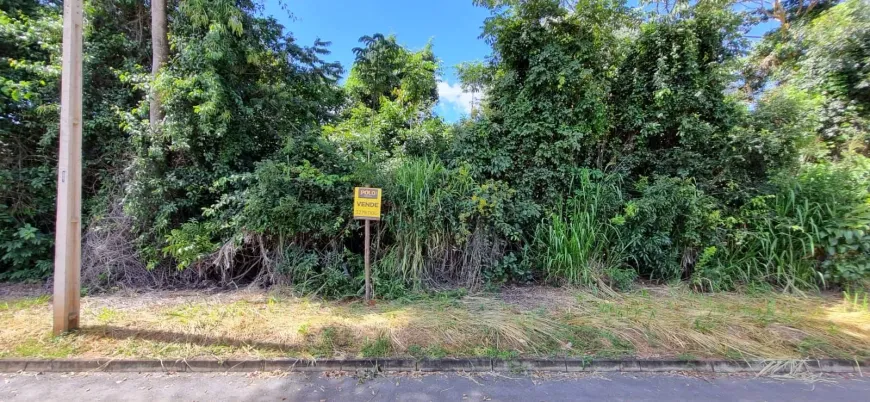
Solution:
(812, 346)
(107, 315)
(686, 357)
(429, 352)
(331, 340)
(619, 346)
(734, 354)
(811, 232)
(417, 352)
(704, 324)
(380, 347)
(578, 244)
(47, 347)
(436, 352)
(581, 339)
(24, 303)
(422, 191)
(854, 300)
(497, 353)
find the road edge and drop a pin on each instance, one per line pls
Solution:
(438, 365)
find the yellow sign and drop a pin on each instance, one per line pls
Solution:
(367, 203)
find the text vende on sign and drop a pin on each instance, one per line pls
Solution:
(366, 203)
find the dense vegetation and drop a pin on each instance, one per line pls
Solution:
(606, 144)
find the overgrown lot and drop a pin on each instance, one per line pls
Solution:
(668, 322)
(608, 144)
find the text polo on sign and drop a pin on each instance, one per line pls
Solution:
(366, 203)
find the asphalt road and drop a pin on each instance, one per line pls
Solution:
(416, 387)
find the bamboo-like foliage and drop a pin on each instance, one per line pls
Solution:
(811, 233)
(578, 244)
(423, 194)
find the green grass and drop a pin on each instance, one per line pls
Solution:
(686, 357)
(107, 315)
(498, 353)
(786, 235)
(330, 340)
(857, 300)
(24, 303)
(421, 189)
(47, 347)
(379, 347)
(430, 352)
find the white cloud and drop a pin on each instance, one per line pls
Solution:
(452, 96)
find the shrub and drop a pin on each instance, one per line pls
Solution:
(332, 274)
(666, 225)
(814, 230)
(424, 194)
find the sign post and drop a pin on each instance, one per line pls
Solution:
(68, 230)
(367, 206)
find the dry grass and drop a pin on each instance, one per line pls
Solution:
(653, 322)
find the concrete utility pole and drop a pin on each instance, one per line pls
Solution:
(68, 240)
(159, 55)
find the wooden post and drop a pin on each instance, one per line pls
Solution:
(68, 242)
(367, 265)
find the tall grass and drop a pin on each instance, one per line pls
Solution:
(578, 244)
(786, 243)
(423, 194)
(777, 246)
(812, 231)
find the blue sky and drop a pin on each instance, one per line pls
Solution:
(452, 25)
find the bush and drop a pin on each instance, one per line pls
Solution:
(24, 253)
(814, 230)
(665, 226)
(248, 178)
(424, 219)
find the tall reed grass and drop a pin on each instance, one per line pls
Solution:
(577, 244)
(423, 194)
(814, 230)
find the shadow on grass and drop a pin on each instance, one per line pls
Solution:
(124, 333)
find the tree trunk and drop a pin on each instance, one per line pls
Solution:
(159, 55)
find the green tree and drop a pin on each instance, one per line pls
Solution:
(29, 75)
(835, 65)
(236, 92)
(376, 70)
(115, 45)
(671, 113)
(391, 93)
(474, 77)
(548, 112)
(823, 56)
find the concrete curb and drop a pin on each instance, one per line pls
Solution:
(433, 365)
